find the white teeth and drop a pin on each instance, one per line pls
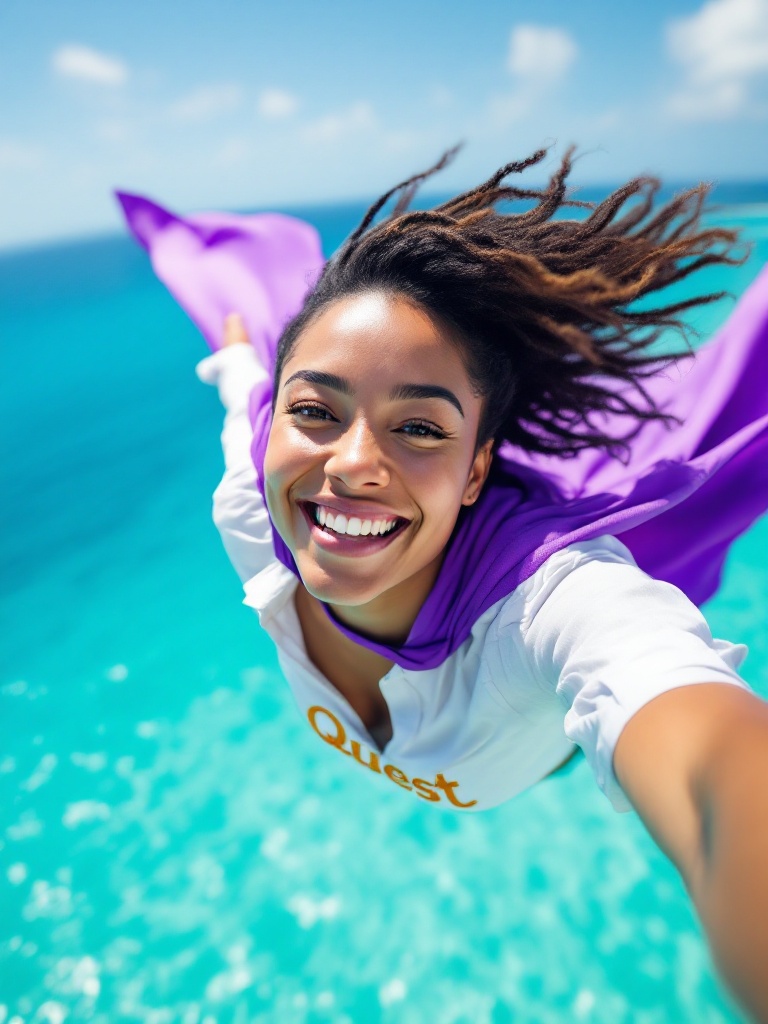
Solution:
(339, 524)
(352, 526)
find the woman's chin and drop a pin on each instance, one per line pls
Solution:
(341, 589)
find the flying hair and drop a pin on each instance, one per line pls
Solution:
(551, 313)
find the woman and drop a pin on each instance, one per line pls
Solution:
(428, 458)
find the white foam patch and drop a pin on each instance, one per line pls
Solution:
(84, 811)
(228, 983)
(91, 987)
(28, 826)
(17, 873)
(15, 689)
(308, 911)
(52, 1012)
(584, 1003)
(117, 674)
(42, 773)
(79, 975)
(207, 876)
(48, 902)
(394, 991)
(274, 844)
(95, 762)
(237, 955)
(124, 766)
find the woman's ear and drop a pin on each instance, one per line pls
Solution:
(478, 473)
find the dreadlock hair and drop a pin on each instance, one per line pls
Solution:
(542, 307)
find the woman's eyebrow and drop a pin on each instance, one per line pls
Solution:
(406, 391)
(401, 392)
(323, 380)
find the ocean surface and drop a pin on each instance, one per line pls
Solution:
(175, 843)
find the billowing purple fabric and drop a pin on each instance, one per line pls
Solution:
(218, 263)
(685, 494)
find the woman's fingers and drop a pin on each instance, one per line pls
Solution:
(234, 330)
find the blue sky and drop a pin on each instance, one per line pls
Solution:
(241, 103)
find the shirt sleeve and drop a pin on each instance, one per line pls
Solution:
(610, 638)
(238, 508)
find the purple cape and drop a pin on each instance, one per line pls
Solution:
(683, 496)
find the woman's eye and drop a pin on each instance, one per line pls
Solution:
(309, 411)
(418, 428)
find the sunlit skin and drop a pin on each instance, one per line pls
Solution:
(365, 450)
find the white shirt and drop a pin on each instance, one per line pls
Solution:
(566, 659)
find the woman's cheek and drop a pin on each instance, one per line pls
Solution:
(289, 461)
(277, 476)
(443, 487)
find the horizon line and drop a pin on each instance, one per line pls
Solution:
(21, 247)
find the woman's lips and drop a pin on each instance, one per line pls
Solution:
(347, 544)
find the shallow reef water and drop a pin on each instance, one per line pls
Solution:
(175, 843)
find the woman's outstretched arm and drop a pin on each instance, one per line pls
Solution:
(694, 764)
(238, 508)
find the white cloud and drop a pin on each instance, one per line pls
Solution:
(276, 104)
(720, 49)
(76, 61)
(333, 127)
(539, 58)
(538, 53)
(716, 102)
(207, 103)
(19, 156)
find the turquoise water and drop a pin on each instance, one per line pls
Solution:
(176, 845)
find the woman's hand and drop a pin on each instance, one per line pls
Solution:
(694, 763)
(234, 330)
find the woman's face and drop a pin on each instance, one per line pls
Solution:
(372, 450)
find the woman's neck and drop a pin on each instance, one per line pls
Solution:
(389, 617)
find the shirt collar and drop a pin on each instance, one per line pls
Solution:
(268, 591)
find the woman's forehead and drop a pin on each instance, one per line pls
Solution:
(376, 330)
(368, 311)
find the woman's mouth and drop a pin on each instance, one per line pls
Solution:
(342, 533)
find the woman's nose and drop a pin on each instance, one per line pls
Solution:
(356, 458)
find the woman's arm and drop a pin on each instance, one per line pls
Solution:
(669, 728)
(238, 508)
(694, 764)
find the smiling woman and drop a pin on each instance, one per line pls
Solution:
(422, 498)
(395, 448)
